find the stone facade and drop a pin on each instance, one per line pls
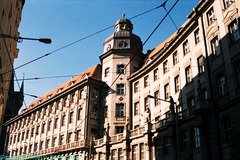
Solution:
(179, 101)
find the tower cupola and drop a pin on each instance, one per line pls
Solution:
(123, 24)
(123, 38)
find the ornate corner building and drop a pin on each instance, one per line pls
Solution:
(10, 17)
(178, 101)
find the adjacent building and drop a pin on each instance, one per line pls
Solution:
(10, 17)
(178, 101)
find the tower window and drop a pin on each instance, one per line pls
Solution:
(119, 110)
(120, 88)
(120, 69)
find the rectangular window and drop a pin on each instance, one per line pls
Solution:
(191, 102)
(234, 31)
(136, 87)
(106, 72)
(195, 137)
(146, 81)
(175, 58)
(185, 140)
(120, 154)
(227, 3)
(185, 48)
(136, 108)
(63, 120)
(142, 151)
(120, 69)
(72, 97)
(167, 91)
(49, 125)
(43, 127)
(211, 16)
(61, 139)
(221, 85)
(37, 130)
(135, 152)
(177, 84)
(119, 130)
(114, 154)
(95, 92)
(56, 123)
(78, 138)
(146, 103)
(155, 74)
(196, 35)
(54, 142)
(200, 65)
(120, 88)
(69, 137)
(81, 96)
(216, 49)
(119, 110)
(27, 134)
(226, 128)
(157, 98)
(32, 132)
(71, 117)
(188, 74)
(79, 114)
(165, 67)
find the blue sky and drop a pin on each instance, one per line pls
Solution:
(66, 21)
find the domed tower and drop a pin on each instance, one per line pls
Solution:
(123, 38)
(121, 57)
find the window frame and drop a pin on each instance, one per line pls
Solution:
(165, 66)
(120, 110)
(166, 91)
(188, 74)
(136, 87)
(210, 16)
(120, 69)
(146, 81)
(107, 72)
(216, 46)
(234, 30)
(201, 67)
(156, 74)
(197, 36)
(177, 83)
(120, 89)
(186, 48)
(175, 58)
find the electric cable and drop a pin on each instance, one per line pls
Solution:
(72, 43)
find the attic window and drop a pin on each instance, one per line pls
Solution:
(70, 84)
(148, 61)
(39, 101)
(166, 44)
(85, 76)
(49, 96)
(59, 90)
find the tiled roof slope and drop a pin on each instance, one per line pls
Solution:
(94, 72)
(163, 45)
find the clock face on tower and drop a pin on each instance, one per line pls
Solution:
(122, 44)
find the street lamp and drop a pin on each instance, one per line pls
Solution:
(20, 39)
(172, 109)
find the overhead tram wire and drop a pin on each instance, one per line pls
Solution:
(135, 54)
(148, 37)
(70, 44)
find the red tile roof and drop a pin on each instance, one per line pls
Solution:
(94, 72)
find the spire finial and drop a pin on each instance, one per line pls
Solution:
(123, 15)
